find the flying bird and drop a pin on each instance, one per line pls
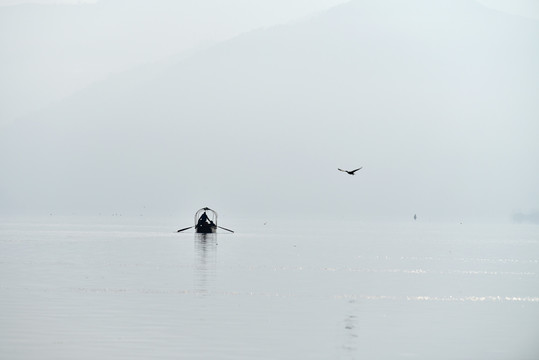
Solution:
(351, 172)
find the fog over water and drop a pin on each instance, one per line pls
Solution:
(437, 100)
(119, 119)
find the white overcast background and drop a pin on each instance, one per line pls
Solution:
(140, 107)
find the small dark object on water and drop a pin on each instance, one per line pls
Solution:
(205, 222)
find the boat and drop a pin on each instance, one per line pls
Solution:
(205, 222)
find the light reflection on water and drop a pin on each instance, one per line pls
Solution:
(128, 292)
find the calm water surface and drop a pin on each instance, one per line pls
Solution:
(133, 289)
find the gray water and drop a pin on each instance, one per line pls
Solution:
(119, 288)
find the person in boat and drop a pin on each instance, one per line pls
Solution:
(203, 220)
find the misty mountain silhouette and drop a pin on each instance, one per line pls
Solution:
(416, 80)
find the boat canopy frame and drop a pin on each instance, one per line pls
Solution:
(211, 214)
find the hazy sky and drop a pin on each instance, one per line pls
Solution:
(437, 100)
(522, 7)
(50, 52)
(47, 55)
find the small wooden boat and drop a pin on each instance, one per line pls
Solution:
(205, 222)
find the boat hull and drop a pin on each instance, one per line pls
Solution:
(206, 229)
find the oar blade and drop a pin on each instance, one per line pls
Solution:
(187, 228)
(220, 227)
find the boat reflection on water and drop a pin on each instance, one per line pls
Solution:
(205, 266)
(351, 329)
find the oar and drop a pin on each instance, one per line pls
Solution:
(220, 227)
(187, 228)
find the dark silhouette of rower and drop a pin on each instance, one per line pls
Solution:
(204, 217)
(203, 220)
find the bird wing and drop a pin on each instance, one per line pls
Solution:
(341, 170)
(357, 169)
